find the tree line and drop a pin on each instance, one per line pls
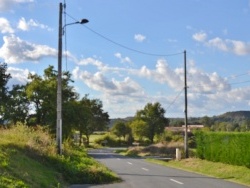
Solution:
(35, 104)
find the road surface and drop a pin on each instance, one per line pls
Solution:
(138, 173)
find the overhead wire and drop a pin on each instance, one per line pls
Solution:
(124, 46)
(174, 100)
(65, 36)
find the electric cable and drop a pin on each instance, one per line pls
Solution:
(123, 46)
(176, 97)
(65, 36)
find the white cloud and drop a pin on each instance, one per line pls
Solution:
(202, 82)
(233, 46)
(139, 37)
(123, 59)
(5, 26)
(18, 76)
(26, 25)
(227, 45)
(113, 87)
(201, 36)
(91, 61)
(15, 50)
(6, 5)
(162, 74)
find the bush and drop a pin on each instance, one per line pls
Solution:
(108, 140)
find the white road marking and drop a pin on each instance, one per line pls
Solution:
(130, 163)
(145, 169)
(118, 159)
(176, 181)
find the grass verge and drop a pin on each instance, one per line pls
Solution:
(238, 174)
(28, 159)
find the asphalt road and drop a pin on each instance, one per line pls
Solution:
(138, 173)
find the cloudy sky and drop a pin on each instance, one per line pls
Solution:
(131, 52)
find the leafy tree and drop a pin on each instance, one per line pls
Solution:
(42, 94)
(120, 129)
(4, 78)
(91, 117)
(139, 128)
(18, 105)
(153, 115)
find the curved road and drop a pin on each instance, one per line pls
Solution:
(138, 173)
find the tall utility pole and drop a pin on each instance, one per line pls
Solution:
(186, 119)
(59, 78)
(59, 85)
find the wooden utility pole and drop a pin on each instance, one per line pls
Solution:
(59, 85)
(186, 104)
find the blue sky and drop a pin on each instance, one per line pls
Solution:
(131, 52)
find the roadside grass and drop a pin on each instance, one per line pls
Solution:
(28, 159)
(17, 168)
(238, 174)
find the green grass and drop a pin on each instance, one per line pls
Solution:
(238, 174)
(28, 159)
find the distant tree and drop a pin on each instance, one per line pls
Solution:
(245, 126)
(206, 121)
(91, 117)
(176, 123)
(153, 115)
(4, 78)
(121, 129)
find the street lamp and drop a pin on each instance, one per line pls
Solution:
(59, 79)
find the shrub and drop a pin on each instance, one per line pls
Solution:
(108, 140)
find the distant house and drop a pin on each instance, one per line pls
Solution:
(182, 128)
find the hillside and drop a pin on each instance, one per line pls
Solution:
(233, 116)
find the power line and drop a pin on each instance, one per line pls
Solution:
(65, 35)
(176, 97)
(247, 81)
(126, 47)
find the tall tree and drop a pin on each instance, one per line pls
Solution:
(4, 78)
(153, 115)
(91, 117)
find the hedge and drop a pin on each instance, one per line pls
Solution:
(230, 148)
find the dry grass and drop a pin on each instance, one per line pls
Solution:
(159, 149)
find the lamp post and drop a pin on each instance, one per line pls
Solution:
(59, 79)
